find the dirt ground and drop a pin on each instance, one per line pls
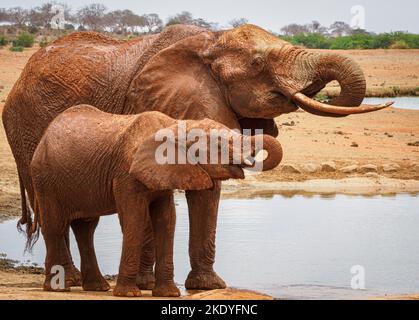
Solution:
(375, 153)
(388, 72)
(23, 286)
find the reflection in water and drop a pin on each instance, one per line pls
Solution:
(288, 247)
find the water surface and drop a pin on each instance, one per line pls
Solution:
(400, 102)
(295, 247)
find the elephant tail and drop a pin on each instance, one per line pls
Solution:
(26, 216)
(32, 226)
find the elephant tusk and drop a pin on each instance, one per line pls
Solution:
(313, 106)
(247, 162)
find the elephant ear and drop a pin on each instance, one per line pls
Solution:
(158, 175)
(268, 126)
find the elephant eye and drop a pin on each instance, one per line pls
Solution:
(257, 62)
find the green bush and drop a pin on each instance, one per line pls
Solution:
(3, 41)
(43, 43)
(311, 40)
(25, 40)
(16, 48)
(359, 40)
(399, 44)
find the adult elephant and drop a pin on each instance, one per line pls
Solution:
(242, 78)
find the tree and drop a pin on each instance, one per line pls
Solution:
(123, 20)
(4, 17)
(294, 29)
(92, 16)
(316, 27)
(17, 16)
(152, 22)
(235, 23)
(340, 28)
(186, 17)
(359, 31)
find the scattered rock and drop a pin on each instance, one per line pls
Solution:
(329, 166)
(339, 132)
(289, 168)
(309, 168)
(289, 124)
(413, 144)
(388, 135)
(392, 167)
(367, 168)
(354, 145)
(371, 175)
(415, 168)
(349, 169)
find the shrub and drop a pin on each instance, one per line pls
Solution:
(396, 91)
(16, 48)
(3, 41)
(33, 29)
(25, 40)
(311, 40)
(44, 42)
(399, 44)
(358, 40)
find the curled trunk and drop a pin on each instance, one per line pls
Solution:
(272, 147)
(329, 67)
(308, 73)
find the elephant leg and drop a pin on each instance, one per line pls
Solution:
(74, 274)
(145, 278)
(92, 279)
(53, 231)
(163, 218)
(132, 211)
(203, 211)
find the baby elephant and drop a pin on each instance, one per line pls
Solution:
(90, 163)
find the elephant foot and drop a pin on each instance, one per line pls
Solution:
(48, 287)
(126, 291)
(166, 290)
(98, 285)
(73, 278)
(204, 281)
(146, 280)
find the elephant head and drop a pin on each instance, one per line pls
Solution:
(266, 76)
(246, 73)
(197, 149)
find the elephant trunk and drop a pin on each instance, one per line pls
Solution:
(346, 72)
(271, 146)
(310, 72)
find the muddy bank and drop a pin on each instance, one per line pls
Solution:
(15, 285)
(349, 186)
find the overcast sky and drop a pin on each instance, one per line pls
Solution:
(380, 15)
